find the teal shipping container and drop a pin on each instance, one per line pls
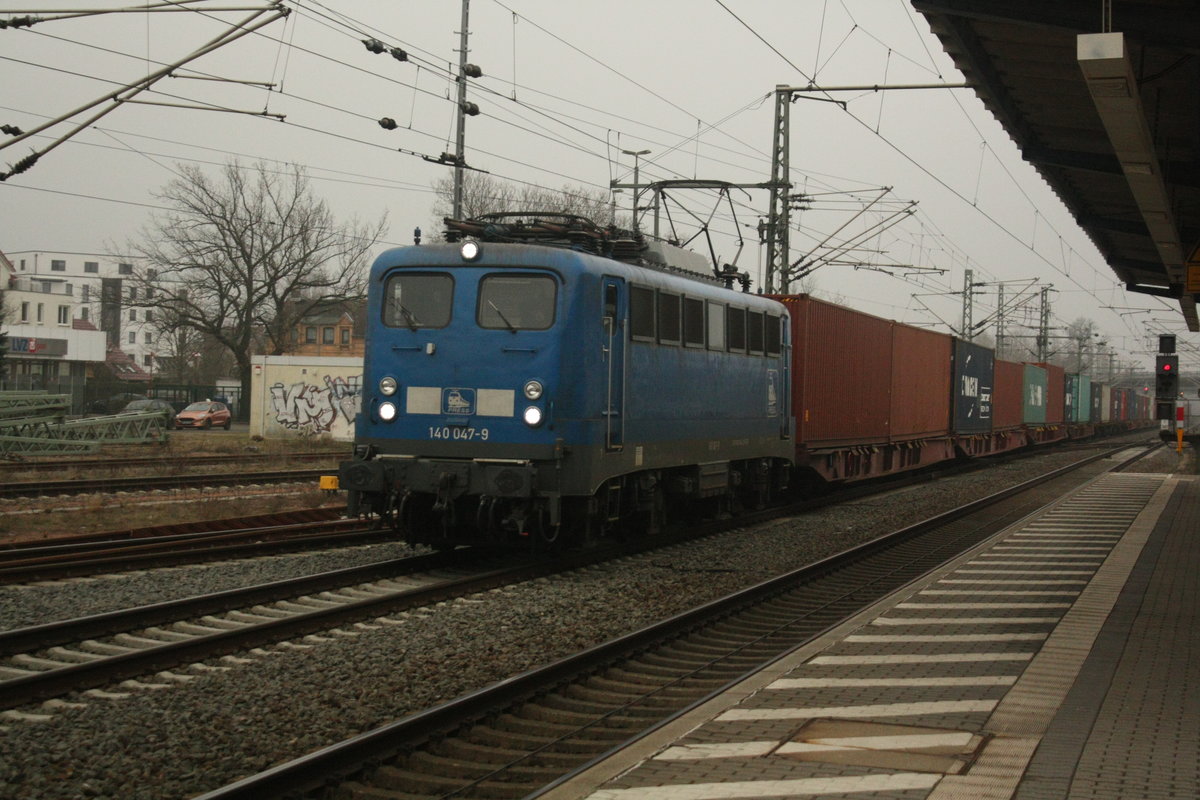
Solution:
(1083, 401)
(1036, 388)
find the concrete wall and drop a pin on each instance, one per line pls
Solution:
(305, 396)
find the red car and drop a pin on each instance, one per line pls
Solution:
(205, 414)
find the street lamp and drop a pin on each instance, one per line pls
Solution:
(637, 190)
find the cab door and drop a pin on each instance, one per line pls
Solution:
(613, 347)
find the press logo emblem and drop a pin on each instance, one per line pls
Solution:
(459, 402)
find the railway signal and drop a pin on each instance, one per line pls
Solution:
(1166, 385)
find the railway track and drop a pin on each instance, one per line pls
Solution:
(518, 736)
(148, 483)
(92, 554)
(49, 660)
(8, 467)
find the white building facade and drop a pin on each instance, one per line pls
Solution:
(49, 346)
(103, 293)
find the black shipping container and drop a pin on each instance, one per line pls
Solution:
(1097, 403)
(974, 367)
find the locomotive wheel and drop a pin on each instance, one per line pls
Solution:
(487, 521)
(547, 538)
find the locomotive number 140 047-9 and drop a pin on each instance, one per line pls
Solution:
(459, 434)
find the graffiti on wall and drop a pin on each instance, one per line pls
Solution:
(310, 409)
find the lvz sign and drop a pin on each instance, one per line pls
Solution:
(30, 345)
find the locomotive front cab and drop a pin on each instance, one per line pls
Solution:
(461, 393)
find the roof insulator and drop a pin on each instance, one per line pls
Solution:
(19, 22)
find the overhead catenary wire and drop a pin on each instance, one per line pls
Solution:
(990, 217)
(409, 151)
(705, 151)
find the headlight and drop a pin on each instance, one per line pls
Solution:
(533, 390)
(387, 387)
(387, 411)
(470, 251)
(533, 416)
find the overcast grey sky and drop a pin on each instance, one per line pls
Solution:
(566, 87)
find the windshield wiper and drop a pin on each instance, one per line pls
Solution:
(408, 317)
(500, 313)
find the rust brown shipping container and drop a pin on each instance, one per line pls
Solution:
(841, 363)
(1117, 402)
(1056, 394)
(1008, 395)
(921, 365)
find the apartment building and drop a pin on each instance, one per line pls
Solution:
(100, 292)
(48, 344)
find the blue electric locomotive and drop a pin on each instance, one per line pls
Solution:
(539, 379)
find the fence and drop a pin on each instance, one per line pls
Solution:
(108, 397)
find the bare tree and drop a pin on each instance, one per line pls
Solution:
(243, 256)
(180, 347)
(485, 194)
(1081, 335)
(4, 345)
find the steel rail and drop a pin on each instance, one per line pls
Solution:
(109, 485)
(82, 540)
(68, 631)
(52, 682)
(66, 462)
(55, 562)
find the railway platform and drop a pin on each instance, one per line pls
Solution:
(1060, 659)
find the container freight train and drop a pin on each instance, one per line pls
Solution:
(540, 380)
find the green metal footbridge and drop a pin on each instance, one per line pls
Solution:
(35, 422)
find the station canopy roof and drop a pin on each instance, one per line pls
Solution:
(1106, 105)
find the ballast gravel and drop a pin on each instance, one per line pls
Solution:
(250, 714)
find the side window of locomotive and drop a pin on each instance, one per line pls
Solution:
(737, 330)
(693, 322)
(641, 314)
(754, 331)
(516, 302)
(774, 335)
(668, 318)
(716, 326)
(418, 300)
(610, 301)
